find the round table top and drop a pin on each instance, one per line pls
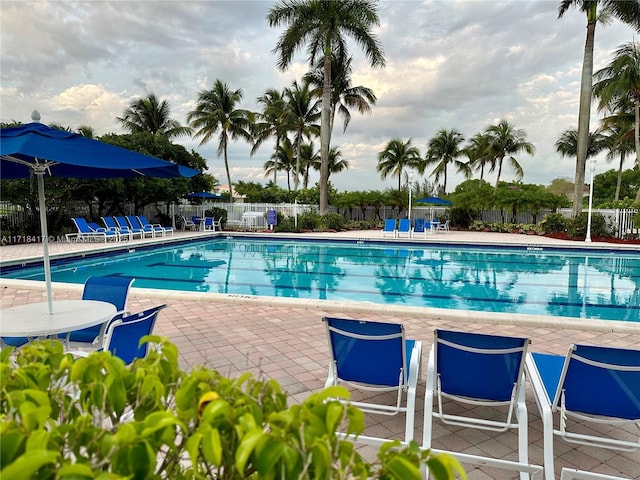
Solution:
(34, 320)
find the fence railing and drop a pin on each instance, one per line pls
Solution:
(618, 221)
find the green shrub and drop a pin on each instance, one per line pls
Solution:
(286, 224)
(555, 223)
(309, 221)
(216, 213)
(333, 221)
(64, 418)
(578, 225)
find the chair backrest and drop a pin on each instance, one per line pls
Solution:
(480, 366)
(405, 225)
(124, 335)
(134, 222)
(82, 225)
(121, 222)
(390, 224)
(114, 290)
(208, 221)
(418, 225)
(600, 380)
(109, 223)
(143, 220)
(365, 352)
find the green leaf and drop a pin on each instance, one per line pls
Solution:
(13, 442)
(212, 447)
(246, 446)
(27, 465)
(267, 453)
(141, 460)
(334, 415)
(78, 471)
(402, 469)
(444, 465)
(158, 421)
(193, 446)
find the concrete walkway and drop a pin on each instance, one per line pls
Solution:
(286, 340)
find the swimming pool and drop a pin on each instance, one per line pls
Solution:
(523, 280)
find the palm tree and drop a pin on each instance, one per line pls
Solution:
(150, 115)
(86, 131)
(336, 163)
(477, 152)
(398, 156)
(282, 159)
(309, 158)
(618, 84)
(300, 115)
(506, 141)
(627, 11)
(343, 94)
(619, 142)
(442, 150)
(270, 121)
(217, 112)
(322, 25)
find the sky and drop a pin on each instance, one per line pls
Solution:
(450, 64)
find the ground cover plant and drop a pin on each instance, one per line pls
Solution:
(63, 417)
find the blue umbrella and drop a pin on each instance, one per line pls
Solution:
(203, 195)
(37, 149)
(434, 201)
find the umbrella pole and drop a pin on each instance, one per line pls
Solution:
(45, 236)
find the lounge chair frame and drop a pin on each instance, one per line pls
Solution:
(622, 363)
(390, 227)
(375, 340)
(453, 352)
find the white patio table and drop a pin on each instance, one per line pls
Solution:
(33, 319)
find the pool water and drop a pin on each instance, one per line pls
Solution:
(536, 281)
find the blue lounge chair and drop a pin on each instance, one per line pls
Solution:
(590, 385)
(375, 356)
(125, 231)
(91, 231)
(477, 369)
(404, 228)
(389, 227)
(124, 225)
(148, 229)
(144, 222)
(419, 228)
(114, 290)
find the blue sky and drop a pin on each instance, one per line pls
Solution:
(450, 64)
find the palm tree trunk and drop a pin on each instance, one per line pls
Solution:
(586, 85)
(636, 109)
(619, 182)
(226, 167)
(499, 171)
(324, 133)
(296, 179)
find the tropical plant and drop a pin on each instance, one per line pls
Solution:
(270, 122)
(309, 158)
(627, 11)
(300, 114)
(151, 115)
(336, 163)
(506, 141)
(283, 159)
(94, 417)
(444, 149)
(217, 112)
(618, 84)
(619, 142)
(477, 152)
(343, 95)
(323, 26)
(398, 156)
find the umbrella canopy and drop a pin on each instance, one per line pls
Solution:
(203, 195)
(434, 201)
(35, 148)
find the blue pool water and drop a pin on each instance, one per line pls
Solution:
(557, 282)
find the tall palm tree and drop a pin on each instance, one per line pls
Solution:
(336, 163)
(442, 150)
(283, 159)
(87, 131)
(343, 94)
(217, 113)
(151, 115)
(627, 11)
(477, 152)
(506, 141)
(300, 114)
(619, 142)
(270, 122)
(398, 156)
(309, 159)
(323, 25)
(618, 84)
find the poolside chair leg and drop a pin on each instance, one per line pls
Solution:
(523, 440)
(428, 402)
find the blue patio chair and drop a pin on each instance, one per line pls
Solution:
(88, 231)
(477, 369)
(148, 229)
(404, 228)
(124, 225)
(419, 228)
(590, 385)
(389, 227)
(114, 290)
(375, 356)
(111, 224)
(164, 230)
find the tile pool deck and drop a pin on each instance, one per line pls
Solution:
(284, 339)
